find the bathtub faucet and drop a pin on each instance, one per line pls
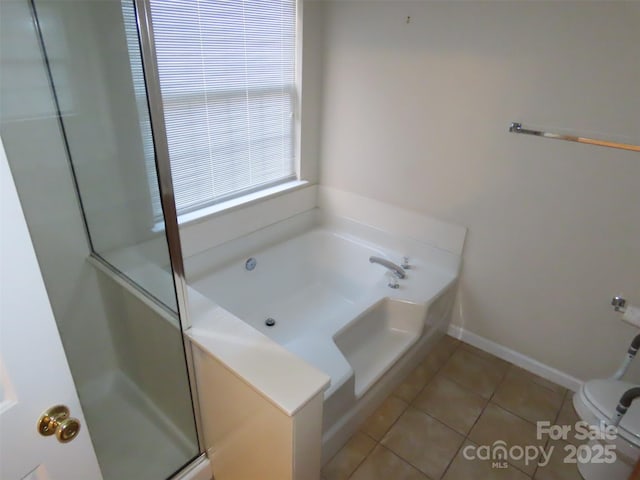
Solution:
(397, 270)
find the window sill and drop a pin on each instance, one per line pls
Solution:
(235, 204)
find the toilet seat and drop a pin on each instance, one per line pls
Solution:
(597, 401)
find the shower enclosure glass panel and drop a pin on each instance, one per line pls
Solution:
(93, 51)
(75, 125)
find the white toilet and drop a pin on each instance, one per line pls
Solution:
(595, 402)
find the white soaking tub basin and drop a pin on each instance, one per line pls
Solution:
(313, 290)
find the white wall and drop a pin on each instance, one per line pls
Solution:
(311, 86)
(416, 114)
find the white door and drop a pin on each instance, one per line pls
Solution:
(34, 374)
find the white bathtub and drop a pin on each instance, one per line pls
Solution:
(331, 306)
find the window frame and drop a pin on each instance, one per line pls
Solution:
(262, 192)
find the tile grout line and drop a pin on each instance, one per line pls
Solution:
(532, 476)
(513, 365)
(555, 422)
(405, 461)
(340, 451)
(508, 411)
(489, 401)
(465, 437)
(435, 374)
(457, 346)
(517, 414)
(408, 404)
(363, 459)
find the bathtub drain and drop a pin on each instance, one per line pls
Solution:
(269, 322)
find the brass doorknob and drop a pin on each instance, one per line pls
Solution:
(57, 420)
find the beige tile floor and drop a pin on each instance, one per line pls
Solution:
(458, 396)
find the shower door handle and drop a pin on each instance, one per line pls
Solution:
(57, 420)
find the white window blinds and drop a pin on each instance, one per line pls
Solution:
(227, 75)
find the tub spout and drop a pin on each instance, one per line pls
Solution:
(397, 270)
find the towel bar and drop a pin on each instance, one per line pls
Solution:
(517, 128)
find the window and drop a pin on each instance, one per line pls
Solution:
(228, 80)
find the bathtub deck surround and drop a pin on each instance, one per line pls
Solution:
(319, 286)
(446, 405)
(262, 402)
(298, 313)
(277, 374)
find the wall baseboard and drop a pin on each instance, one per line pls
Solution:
(522, 361)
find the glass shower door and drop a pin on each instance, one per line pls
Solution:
(74, 119)
(96, 69)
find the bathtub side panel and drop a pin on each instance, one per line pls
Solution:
(246, 436)
(440, 310)
(307, 440)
